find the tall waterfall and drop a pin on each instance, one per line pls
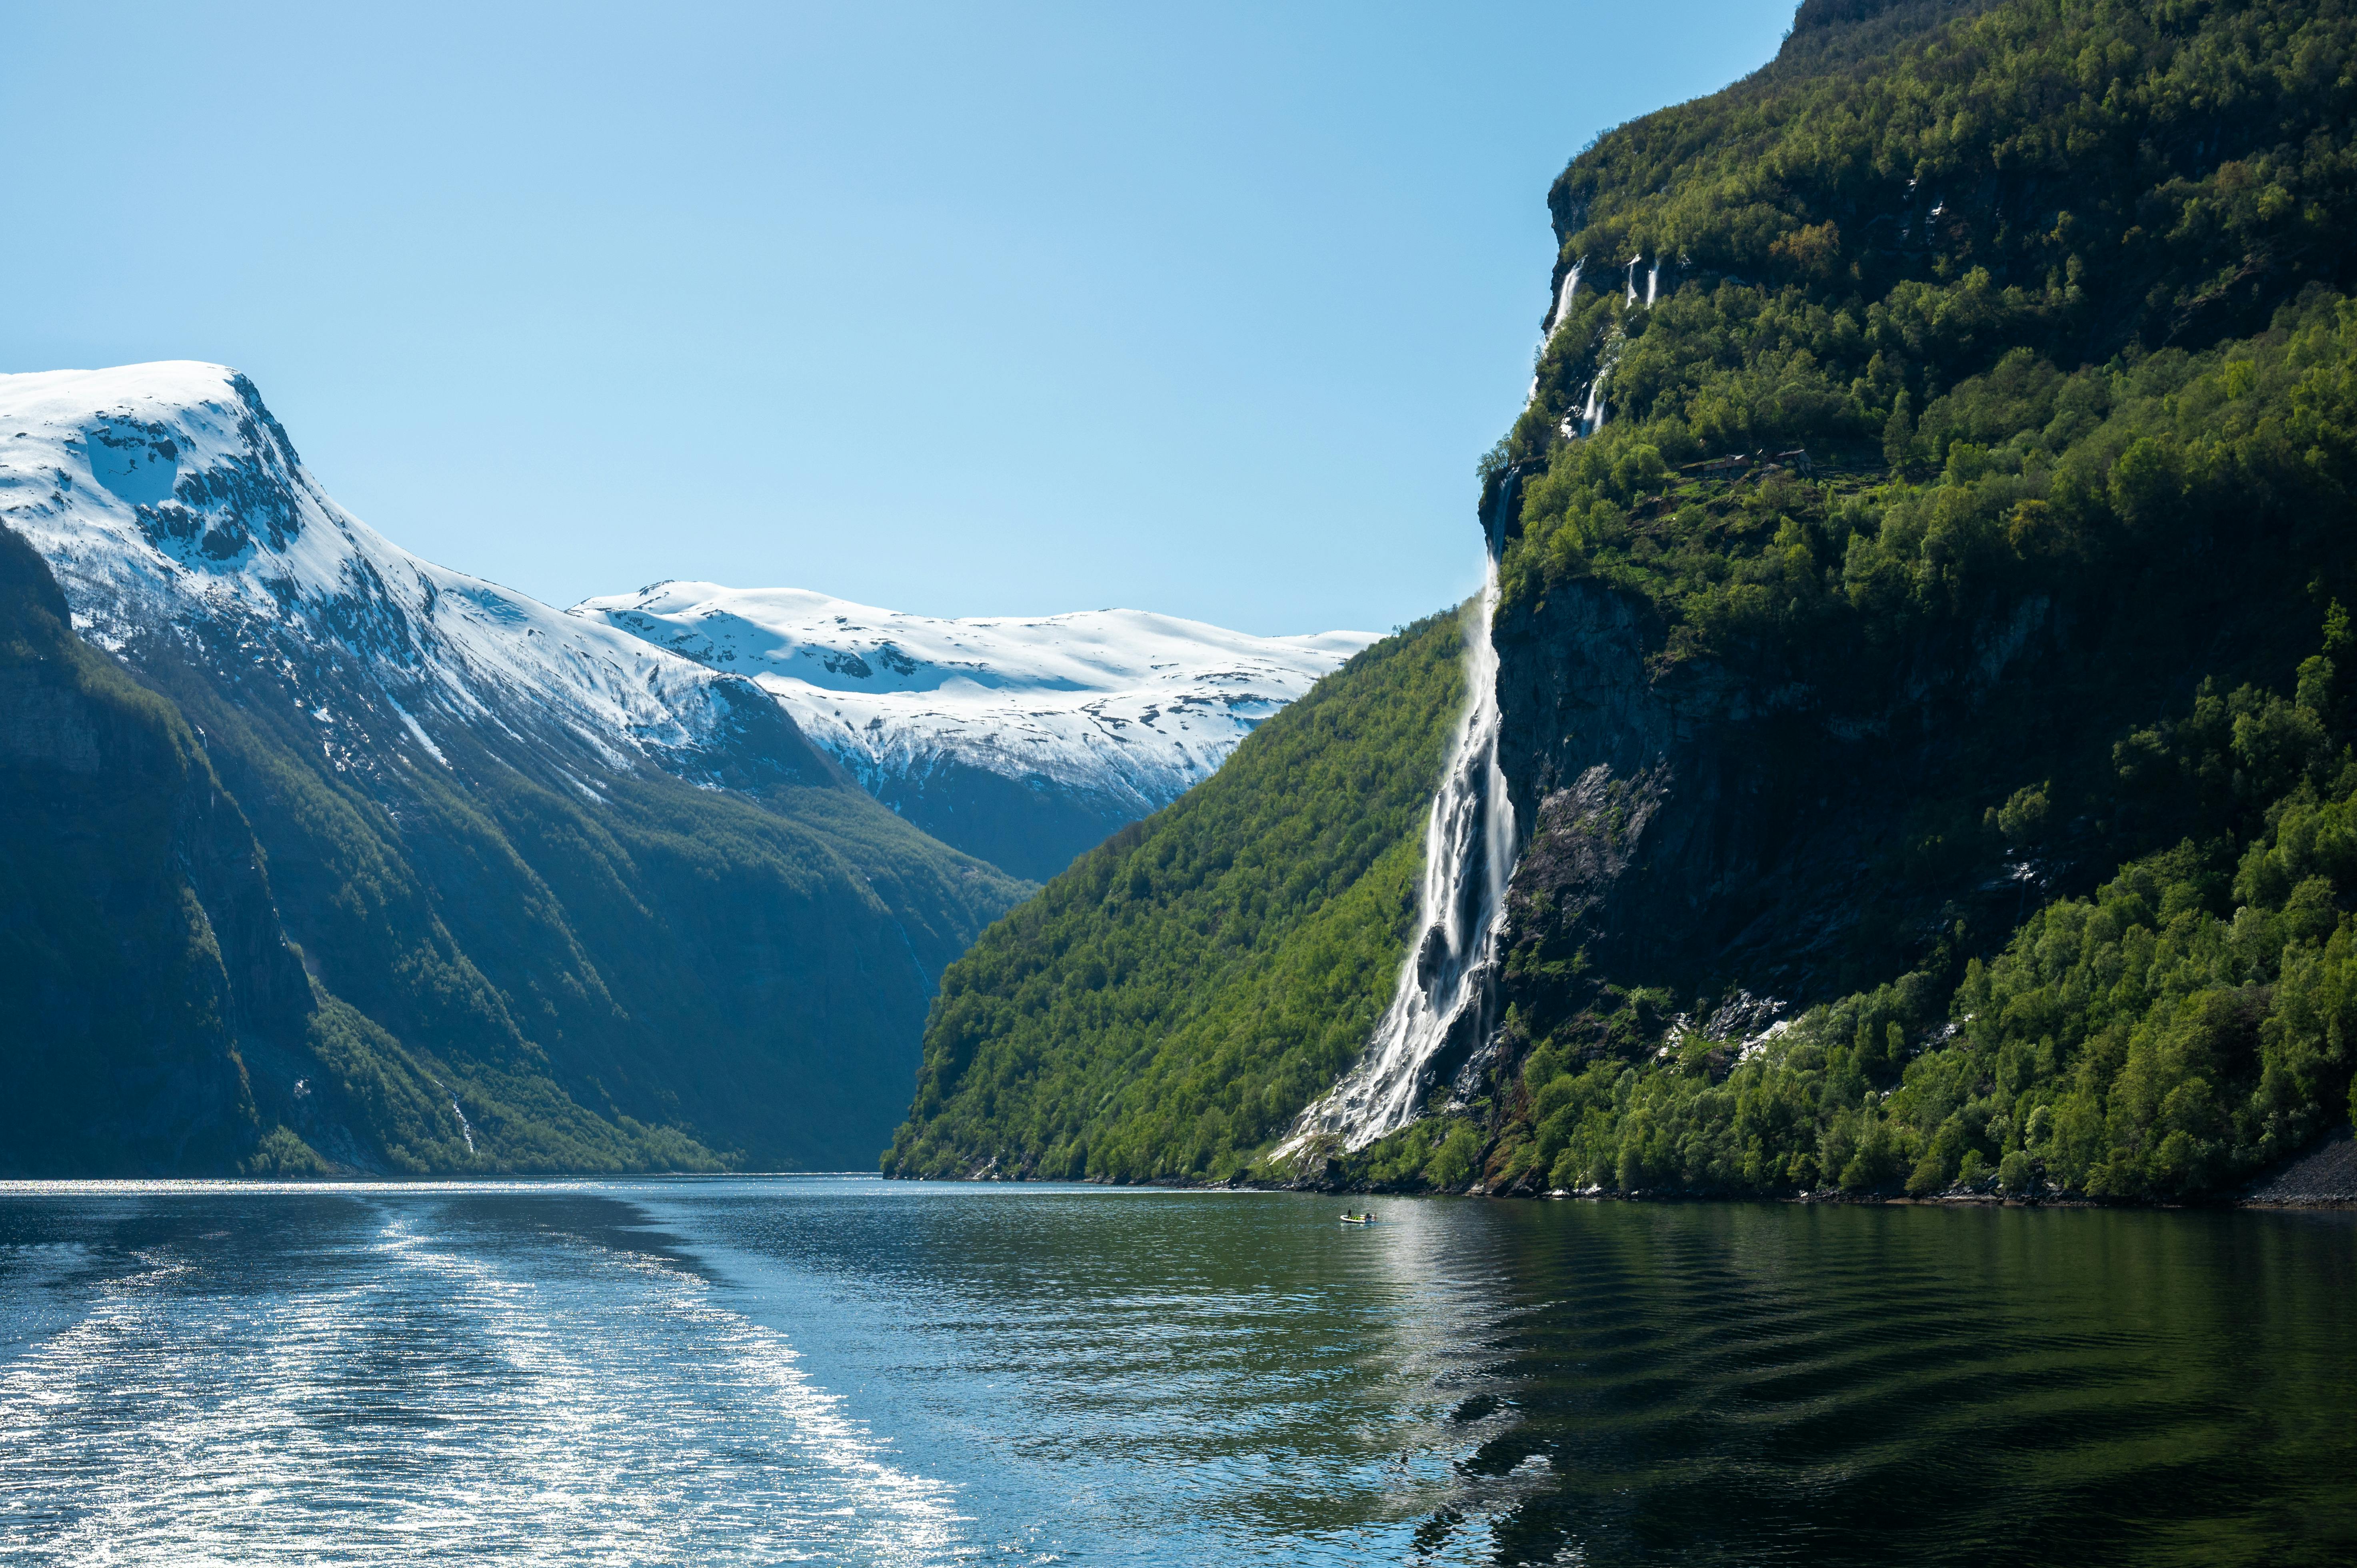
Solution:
(1652, 283)
(1632, 278)
(1446, 986)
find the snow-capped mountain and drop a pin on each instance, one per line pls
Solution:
(518, 891)
(1023, 740)
(169, 501)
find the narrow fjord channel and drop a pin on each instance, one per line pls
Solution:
(846, 1370)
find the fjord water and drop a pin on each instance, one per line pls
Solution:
(846, 1370)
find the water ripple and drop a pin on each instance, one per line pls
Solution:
(847, 1371)
(554, 1401)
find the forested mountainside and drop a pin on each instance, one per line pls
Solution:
(1023, 740)
(1168, 1005)
(2051, 298)
(565, 902)
(135, 922)
(1924, 674)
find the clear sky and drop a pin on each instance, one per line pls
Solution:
(964, 310)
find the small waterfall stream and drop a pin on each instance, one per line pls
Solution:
(1591, 418)
(1446, 990)
(1563, 302)
(1553, 324)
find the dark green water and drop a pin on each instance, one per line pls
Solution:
(851, 1371)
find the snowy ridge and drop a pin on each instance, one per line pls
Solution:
(184, 528)
(1122, 704)
(168, 500)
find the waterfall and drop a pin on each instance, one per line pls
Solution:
(1652, 283)
(1563, 301)
(1561, 314)
(1632, 278)
(1591, 419)
(1446, 988)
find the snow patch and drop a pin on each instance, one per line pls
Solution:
(1124, 702)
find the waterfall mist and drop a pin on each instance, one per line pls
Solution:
(1441, 1006)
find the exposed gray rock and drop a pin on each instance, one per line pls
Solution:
(2324, 1176)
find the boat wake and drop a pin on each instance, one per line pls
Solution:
(555, 1400)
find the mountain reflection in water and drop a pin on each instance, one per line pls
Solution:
(844, 1370)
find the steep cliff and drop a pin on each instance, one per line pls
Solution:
(1921, 602)
(138, 941)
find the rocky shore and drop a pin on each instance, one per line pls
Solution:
(2324, 1176)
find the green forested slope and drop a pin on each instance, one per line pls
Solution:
(1164, 1007)
(1845, 243)
(2193, 1018)
(107, 948)
(655, 974)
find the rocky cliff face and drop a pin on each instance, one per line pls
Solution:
(1653, 792)
(1701, 832)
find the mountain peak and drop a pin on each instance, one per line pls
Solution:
(171, 504)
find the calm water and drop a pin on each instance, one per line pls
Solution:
(850, 1371)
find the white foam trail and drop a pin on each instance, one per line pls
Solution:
(1444, 985)
(431, 1404)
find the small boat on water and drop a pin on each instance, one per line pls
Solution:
(1358, 1219)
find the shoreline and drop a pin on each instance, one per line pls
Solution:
(2322, 1176)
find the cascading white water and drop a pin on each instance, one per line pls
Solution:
(1554, 325)
(1563, 299)
(1446, 986)
(1591, 418)
(1652, 283)
(1632, 278)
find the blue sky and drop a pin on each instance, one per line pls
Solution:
(961, 310)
